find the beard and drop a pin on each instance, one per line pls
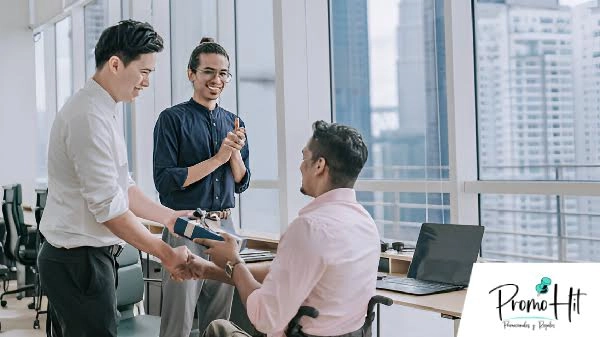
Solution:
(302, 190)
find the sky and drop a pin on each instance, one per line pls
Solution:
(383, 22)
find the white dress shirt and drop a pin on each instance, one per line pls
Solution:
(327, 259)
(88, 176)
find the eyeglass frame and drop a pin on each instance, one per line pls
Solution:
(211, 73)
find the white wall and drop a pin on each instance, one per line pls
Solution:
(17, 99)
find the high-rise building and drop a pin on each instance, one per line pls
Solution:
(351, 80)
(421, 64)
(526, 119)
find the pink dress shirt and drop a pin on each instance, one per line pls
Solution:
(327, 259)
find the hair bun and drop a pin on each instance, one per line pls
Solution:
(207, 40)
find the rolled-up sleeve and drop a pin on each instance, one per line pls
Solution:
(245, 152)
(298, 267)
(167, 176)
(89, 143)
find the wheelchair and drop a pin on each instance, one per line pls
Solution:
(294, 329)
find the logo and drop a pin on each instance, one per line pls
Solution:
(531, 300)
(539, 310)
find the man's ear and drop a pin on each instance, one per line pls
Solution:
(190, 74)
(114, 64)
(321, 166)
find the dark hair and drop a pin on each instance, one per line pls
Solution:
(127, 40)
(207, 46)
(343, 149)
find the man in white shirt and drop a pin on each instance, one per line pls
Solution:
(92, 201)
(327, 258)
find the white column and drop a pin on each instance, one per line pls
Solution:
(462, 128)
(302, 90)
(143, 111)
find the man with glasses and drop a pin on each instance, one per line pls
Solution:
(200, 159)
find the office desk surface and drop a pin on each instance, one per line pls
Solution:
(448, 304)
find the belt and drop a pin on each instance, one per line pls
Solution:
(224, 214)
(114, 250)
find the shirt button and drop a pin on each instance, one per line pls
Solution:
(216, 179)
(214, 124)
(217, 198)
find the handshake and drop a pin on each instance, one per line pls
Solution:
(182, 264)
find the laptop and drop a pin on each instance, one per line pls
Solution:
(442, 262)
(255, 255)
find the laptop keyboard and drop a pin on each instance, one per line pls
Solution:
(414, 286)
(411, 282)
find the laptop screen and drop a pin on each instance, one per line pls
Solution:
(446, 253)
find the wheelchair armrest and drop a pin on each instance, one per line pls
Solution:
(377, 299)
(294, 328)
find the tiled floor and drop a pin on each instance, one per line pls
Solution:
(17, 319)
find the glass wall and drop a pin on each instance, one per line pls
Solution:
(538, 107)
(64, 61)
(44, 121)
(389, 82)
(256, 106)
(95, 15)
(191, 20)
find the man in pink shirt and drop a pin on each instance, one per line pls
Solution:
(327, 258)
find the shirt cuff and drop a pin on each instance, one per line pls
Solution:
(115, 207)
(244, 183)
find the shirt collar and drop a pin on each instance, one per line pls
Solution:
(335, 195)
(202, 107)
(101, 95)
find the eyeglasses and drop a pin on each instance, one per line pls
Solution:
(225, 76)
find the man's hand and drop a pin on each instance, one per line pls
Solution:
(221, 251)
(225, 151)
(235, 139)
(241, 136)
(177, 264)
(170, 221)
(199, 267)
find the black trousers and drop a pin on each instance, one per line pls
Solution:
(80, 285)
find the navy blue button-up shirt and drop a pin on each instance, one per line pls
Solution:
(184, 135)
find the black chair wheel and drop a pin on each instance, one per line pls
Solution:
(19, 297)
(36, 324)
(31, 305)
(3, 303)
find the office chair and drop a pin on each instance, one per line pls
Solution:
(294, 328)
(130, 291)
(20, 241)
(40, 204)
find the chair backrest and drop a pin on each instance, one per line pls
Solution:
(8, 213)
(130, 289)
(18, 210)
(40, 204)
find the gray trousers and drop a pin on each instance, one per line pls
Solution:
(224, 328)
(212, 299)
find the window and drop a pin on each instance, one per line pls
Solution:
(557, 101)
(389, 82)
(95, 21)
(540, 228)
(44, 120)
(255, 61)
(64, 61)
(188, 27)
